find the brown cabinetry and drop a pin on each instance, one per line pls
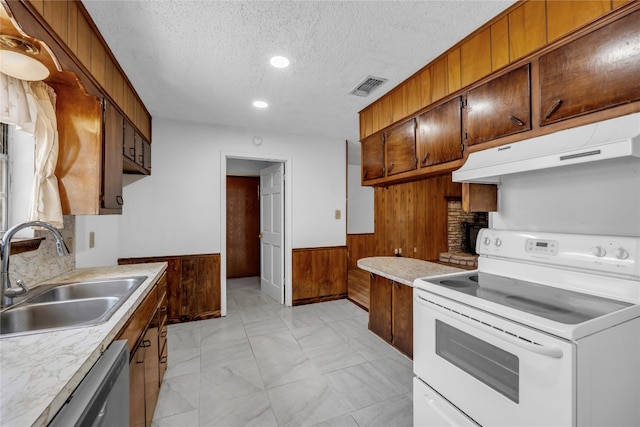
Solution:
(499, 107)
(391, 313)
(136, 151)
(440, 134)
(147, 346)
(594, 72)
(193, 285)
(400, 144)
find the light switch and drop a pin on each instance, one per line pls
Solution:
(338, 213)
(92, 239)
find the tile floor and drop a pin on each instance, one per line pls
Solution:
(265, 364)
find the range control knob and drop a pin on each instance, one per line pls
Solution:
(622, 253)
(487, 241)
(599, 251)
(498, 241)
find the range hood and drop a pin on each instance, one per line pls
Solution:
(609, 139)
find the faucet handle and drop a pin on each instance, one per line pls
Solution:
(16, 292)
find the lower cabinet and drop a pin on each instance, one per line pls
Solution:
(391, 313)
(146, 334)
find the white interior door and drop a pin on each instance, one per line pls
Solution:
(272, 231)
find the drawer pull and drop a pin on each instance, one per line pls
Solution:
(163, 334)
(163, 359)
(553, 108)
(132, 151)
(516, 120)
(390, 168)
(163, 309)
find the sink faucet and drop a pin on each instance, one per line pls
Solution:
(7, 291)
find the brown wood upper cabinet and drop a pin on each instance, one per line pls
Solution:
(499, 107)
(440, 134)
(373, 157)
(594, 72)
(400, 145)
(136, 151)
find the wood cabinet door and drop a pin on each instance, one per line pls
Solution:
(372, 157)
(400, 145)
(499, 107)
(146, 152)
(112, 158)
(151, 368)
(380, 307)
(402, 329)
(129, 143)
(440, 134)
(136, 389)
(594, 72)
(139, 144)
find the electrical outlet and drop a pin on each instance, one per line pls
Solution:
(338, 213)
(92, 239)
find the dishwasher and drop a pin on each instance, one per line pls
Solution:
(102, 397)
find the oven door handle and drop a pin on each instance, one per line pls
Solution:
(549, 351)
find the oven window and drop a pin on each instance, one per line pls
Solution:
(493, 366)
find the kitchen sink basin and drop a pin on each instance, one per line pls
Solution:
(30, 317)
(68, 305)
(92, 289)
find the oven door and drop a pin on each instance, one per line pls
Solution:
(496, 371)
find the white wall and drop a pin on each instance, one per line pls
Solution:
(242, 167)
(359, 205)
(176, 210)
(594, 198)
(107, 244)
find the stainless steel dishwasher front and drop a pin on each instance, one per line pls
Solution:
(102, 398)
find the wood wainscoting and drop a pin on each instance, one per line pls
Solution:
(359, 246)
(319, 274)
(193, 285)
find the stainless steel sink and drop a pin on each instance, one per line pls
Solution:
(68, 305)
(92, 289)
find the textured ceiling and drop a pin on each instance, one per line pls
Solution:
(206, 61)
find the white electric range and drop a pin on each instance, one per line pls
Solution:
(545, 332)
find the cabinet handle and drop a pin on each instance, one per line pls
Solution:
(163, 334)
(553, 108)
(163, 359)
(425, 158)
(146, 343)
(516, 120)
(141, 158)
(119, 200)
(365, 174)
(390, 167)
(132, 151)
(163, 309)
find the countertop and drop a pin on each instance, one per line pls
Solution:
(404, 270)
(38, 372)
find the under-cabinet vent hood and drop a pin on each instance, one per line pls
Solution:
(609, 139)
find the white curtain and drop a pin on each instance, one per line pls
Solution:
(31, 106)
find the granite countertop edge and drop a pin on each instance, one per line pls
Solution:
(404, 270)
(38, 372)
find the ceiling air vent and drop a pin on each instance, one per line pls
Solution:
(367, 86)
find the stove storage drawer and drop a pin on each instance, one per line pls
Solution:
(430, 409)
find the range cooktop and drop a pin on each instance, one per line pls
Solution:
(560, 305)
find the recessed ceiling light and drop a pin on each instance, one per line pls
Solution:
(279, 62)
(260, 104)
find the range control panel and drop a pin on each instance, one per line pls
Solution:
(612, 254)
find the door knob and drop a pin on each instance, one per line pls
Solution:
(260, 236)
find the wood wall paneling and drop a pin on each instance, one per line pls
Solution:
(527, 29)
(84, 41)
(500, 43)
(55, 12)
(565, 16)
(454, 70)
(426, 91)
(360, 246)
(193, 285)
(97, 59)
(319, 274)
(38, 5)
(413, 90)
(439, 79)
(475, 57)
(617, 3)
(72, 27)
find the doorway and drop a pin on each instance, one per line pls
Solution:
(242, 165)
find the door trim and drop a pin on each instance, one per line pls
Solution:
(287, 161)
